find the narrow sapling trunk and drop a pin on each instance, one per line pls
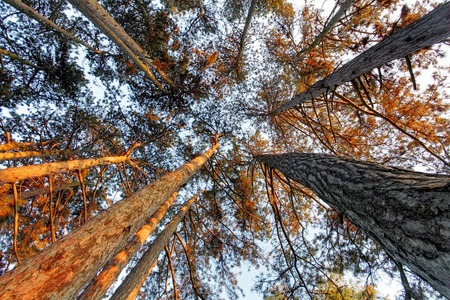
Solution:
(428, 30)
(61, 270)
(100, 284)
(407, 213)
(130, 287)
(21, 173)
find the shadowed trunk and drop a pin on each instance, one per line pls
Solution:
(61, 270)
(407, 212)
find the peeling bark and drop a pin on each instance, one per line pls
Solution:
(406, 212)
(428, 30)
(62, 269)
(130, 287)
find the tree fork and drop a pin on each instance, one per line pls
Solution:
(406, 212)
(428, 30)
(61, 270)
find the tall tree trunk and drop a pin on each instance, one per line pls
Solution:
(344, 7)
(22, 7)
(130, 287)
(105, 22)
(100, 284)
(428, 30)
(244, 33)
(407, 213)
(61, 270)
(21, 173)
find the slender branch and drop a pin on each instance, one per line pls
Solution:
(16, 222)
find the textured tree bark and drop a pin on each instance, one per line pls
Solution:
(407, 213)
(428, 30)
(130, 287)
(61, 270)
(100, 284)
(21, 173)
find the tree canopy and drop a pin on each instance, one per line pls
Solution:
(102, 100)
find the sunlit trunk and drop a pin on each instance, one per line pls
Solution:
(407, 213)
(130, 287)
(100, 284)
(28, 154)
(61, 270)
(21, 173)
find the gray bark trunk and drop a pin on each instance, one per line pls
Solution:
(130, 287)
(428, 30)
(244, 33)
(407, 213)
(100, 284)
(344, 7)
(61, 270)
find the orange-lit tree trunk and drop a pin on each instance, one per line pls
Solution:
(100, 284)
(428, 30)
(61, 270)
(14, 145)
(407, 213)
(27, 154)
(21, 173)
(130, 287)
